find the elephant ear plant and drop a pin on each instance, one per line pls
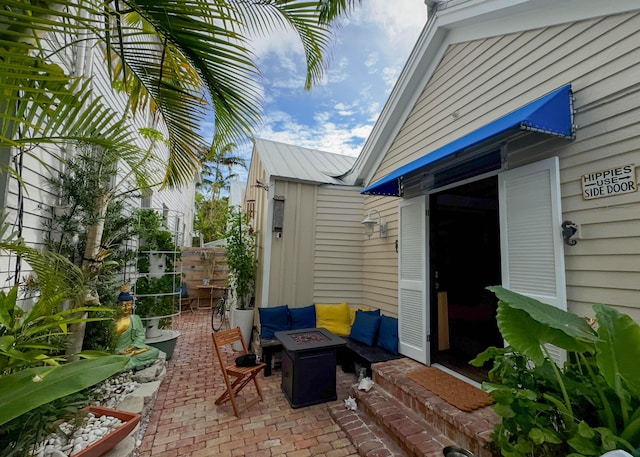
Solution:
(589, 406)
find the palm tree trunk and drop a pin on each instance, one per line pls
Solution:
(89, 262)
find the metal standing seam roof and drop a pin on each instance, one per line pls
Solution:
(302, 164)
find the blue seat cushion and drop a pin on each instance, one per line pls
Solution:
(302, 317)
(365, 327)
(273, 320)
(388, 334)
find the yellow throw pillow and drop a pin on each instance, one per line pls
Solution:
(334, 318)
(352, 313)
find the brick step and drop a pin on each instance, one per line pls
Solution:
(405, 427)
(369, 439)
(469, 430)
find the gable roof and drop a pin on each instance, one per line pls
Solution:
(457, 21)
(289, 162)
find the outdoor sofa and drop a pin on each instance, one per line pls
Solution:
(370, 336)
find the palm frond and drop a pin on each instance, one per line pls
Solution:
(42, 105)
(184, 60)
(302, 16)
(331, 9)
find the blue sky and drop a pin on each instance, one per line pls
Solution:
(337, 115)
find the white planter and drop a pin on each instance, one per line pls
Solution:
(157, 264)
(152, 328)
(242, 318)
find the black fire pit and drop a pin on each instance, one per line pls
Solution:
(309, 365)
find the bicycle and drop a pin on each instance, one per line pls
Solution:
(219, 312)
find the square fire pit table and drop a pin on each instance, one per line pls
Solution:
(309, 365)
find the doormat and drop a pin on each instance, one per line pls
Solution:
(454, 391)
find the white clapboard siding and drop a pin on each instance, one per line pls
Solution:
(291, 255)
(380, 288)
(337, 256)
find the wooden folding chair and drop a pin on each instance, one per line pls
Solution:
(242, 375)
(186, 300)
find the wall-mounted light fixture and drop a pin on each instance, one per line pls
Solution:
(370, 224)
(261, 185)
(569, 229)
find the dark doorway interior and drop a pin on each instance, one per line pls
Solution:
(465, 259)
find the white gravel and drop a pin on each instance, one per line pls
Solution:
(71, 439)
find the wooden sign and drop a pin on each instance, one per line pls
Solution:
(607, 183)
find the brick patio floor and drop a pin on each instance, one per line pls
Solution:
(186, 422)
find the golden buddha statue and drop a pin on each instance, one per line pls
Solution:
(131, 334)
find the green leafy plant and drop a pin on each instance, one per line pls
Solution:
(156, 295)
(589, 406)
(151, 299)
(29, 338)
(32, 370)
(241, 257)
(80, 186)
(155, 240)
(24, 390)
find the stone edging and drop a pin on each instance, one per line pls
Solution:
(140, 401)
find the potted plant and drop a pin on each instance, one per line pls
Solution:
(209, 266)
(242, 263)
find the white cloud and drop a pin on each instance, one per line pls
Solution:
(337, 72)
(343, 109)
(281, 43)
(370, 62)
(396, 20)
(373, 109)
(390, 75)
(294, 82)
(323, 135)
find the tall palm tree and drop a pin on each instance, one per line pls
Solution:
(214, 178)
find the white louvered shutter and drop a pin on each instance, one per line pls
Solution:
(413, 318)
(531, 236)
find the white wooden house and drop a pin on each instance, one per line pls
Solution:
(510, 119)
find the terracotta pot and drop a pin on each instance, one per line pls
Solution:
(100, 447)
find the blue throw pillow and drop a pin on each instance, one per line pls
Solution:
(273, 320)
(365, 327)
(303, 317)
(388, 334)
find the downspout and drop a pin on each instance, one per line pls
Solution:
(268, 242)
